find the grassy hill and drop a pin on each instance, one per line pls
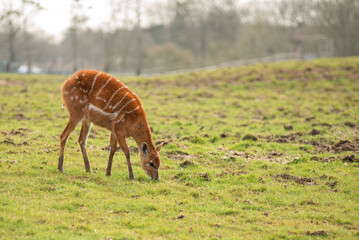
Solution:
(258, 152)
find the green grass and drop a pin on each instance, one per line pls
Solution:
(281, 184)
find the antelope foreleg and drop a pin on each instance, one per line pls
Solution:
(123, 145)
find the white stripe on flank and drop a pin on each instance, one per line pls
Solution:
(120, 120)
(94, 80)
(133, 109)
(124, 107)
(102, 99)
(120, 101)
(108, 80)
(113, 95)
(96, 109)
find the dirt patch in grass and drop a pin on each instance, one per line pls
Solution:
(322, 125)
(133, 149)
(271, 156)
(345, 145)
(309, 202)
(186, 164)
(20, 116)
(314, 132)
(250, 137)
(20, 131)
(350, 124)
(319, 159)
(317, 233)
(204, 176)
(350, 158)
(108, 148)
(180, 155)
(332, 184)
(300, 180)
(338, 147)
(288, 127)
(10, 141)
(283, 138)
(229, 172)
(224, 135)
(232, 154)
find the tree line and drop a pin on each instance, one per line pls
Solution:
(168, 35)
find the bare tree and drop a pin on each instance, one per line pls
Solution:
(14, 20)
(78, 20)
(139, 39)
(29, 9)
(10, 18)
(340, 19)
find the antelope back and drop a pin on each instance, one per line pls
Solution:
(100, 98)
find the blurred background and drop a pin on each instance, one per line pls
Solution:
(133, 37)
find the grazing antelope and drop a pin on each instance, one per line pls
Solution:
(95, 97)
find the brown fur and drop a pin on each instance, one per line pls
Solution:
(91, 96)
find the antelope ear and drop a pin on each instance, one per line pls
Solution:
(144, 148)
(158, 148)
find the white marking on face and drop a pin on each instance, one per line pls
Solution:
(76, 97)
(94, 81)
(77, 77)
(147, 164)
(72, 98)
(66, 92)
(83, 74)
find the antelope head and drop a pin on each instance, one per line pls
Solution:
(150, 160)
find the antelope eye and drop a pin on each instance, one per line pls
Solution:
(152, 165)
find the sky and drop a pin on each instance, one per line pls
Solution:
(55, 18)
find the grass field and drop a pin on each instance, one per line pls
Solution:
(268, 151)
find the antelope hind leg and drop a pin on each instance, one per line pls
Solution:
(71, 125)
(113, 144)
(85, 129)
